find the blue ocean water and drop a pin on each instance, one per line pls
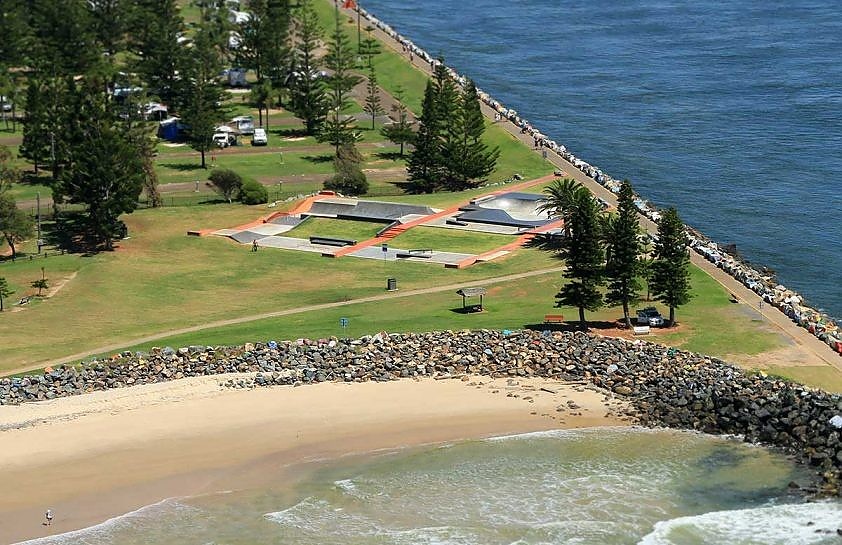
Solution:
(730, 110)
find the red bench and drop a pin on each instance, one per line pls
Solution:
(553, 318)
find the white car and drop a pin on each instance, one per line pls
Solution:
(259, 138)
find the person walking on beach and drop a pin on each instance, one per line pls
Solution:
(49, 517)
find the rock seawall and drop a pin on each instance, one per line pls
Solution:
(666, 387)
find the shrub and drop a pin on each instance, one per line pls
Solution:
(226, 182)
(253, 192)
(349, 178)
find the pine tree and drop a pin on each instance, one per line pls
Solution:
(337, 130)
(400, 132)
(110, 24)
(671, 269)
(63, 42)
(424, 164)
(36, 136)
(467, 159)
(277, 54)
(584, 257)
(369, 47)
(15, 32)
(623, 249)
(156, 31)
(104, 171)
(201, 95)
(308, 97)
(372, 97)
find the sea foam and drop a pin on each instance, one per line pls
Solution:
(792, 524)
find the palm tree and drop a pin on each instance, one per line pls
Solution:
(561, 198)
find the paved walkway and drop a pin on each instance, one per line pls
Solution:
(779, 320)
(122, 345)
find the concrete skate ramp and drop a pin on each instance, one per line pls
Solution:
(246, 237)
(512, 209)
(366, 210)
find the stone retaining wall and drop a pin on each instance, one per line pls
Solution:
(666, 387)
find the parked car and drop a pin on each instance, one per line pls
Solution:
(650, 316)
(259, 138)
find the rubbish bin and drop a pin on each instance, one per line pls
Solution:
(391, 284)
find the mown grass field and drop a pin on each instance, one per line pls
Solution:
(449, 240)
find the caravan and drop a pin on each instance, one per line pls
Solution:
(244, 124)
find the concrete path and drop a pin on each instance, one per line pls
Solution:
(799, 335)
(122, 345)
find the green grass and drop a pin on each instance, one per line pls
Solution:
(818, 376)
(161, 279)
(329, 227)
(449, 240)
(265, 165)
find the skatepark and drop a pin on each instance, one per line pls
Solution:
(513, 214)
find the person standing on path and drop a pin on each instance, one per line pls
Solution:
(254, 245)
(49, 517)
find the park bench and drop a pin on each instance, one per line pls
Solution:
(24, 300)
(641, 330)
(553, 318)
(331, 241)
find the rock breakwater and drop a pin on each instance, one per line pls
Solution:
(666, 387)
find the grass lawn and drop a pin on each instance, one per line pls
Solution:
(161, 279)
(510, 305)
(329, 227)
(265, 165)
(818, 376)
(449, 240)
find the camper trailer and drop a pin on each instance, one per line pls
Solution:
(244, 124)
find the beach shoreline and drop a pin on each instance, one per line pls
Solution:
(93, 457)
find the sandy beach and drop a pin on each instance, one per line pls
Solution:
(99, 455)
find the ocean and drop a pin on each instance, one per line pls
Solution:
(607, 486)
(730, 110)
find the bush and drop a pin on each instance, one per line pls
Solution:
(351, 181)
(349, 178)
(226, 182)
(253, 192)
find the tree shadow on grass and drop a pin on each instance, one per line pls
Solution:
(470, 309)
(72, 233)
(390, 155)
(570, 326)
(29, 178)
(316, 159)
(183, 167)
(290, 132)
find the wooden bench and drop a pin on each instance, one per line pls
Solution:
(553, 318)
(641, 330)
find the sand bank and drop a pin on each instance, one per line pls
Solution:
(99, 455)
